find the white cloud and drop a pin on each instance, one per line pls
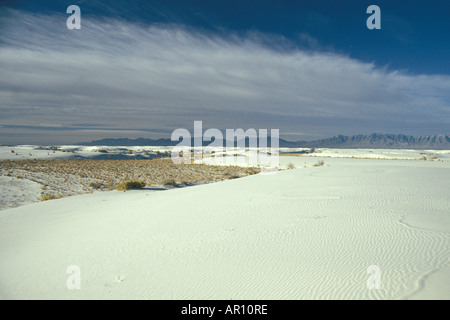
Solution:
(124, 75)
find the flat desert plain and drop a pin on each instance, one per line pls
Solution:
(367, 224)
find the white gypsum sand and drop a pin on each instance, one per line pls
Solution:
(16, 191)
(307, 233)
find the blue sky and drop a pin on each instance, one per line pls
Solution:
(144, 68)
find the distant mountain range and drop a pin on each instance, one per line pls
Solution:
(373, 141)
(379, 141)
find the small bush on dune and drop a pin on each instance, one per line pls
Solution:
(96, 185)
(127, 185)
(110, 185)
(170, 182)
(50, 197)
(231, 176)
(319, 163)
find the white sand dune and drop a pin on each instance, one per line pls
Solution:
(393, 154)
(30, 152)
(307, 233)
(15, 192)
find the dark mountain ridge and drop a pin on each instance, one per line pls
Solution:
(373, 141)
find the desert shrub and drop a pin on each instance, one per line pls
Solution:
(170, 182)
(319, 163)
(110, 185)
(127, 185)
(50, 197)
(96, 185)
(290, 166)
(231, 176)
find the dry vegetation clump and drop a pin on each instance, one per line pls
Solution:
(50, 197)
(127, 185)
(170, 182)
(70, 177)
(96, 185)
(318, 164)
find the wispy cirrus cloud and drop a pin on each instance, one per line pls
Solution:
(123, 76)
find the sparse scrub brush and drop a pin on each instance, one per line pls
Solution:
(50, 197)
(290, 166)
(127, 185)
(319, 163)
(231, 176)
(96, 185)
(170, 182)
